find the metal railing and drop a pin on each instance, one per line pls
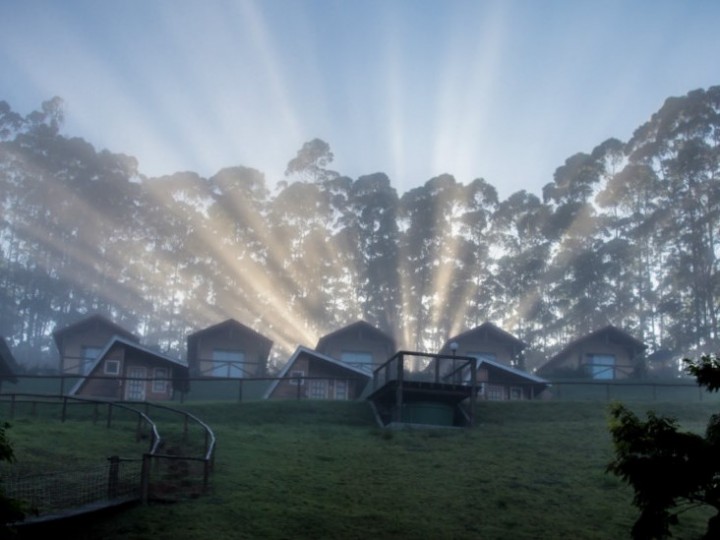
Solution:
(160, 470)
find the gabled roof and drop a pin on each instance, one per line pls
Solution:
(229, 323)
(611, 333)
(132, 345)
(8, 366)
(317, 356)
(96, 318)
(361, 326)
(487, 328)
(513, 371)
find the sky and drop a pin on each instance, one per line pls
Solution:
(501, 90)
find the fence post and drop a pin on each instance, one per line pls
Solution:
(206, 474)
(397, 417)
(145, 479)
(113, 474)
(64, 409)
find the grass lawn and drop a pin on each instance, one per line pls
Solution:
(315, 470)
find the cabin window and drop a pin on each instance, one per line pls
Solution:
(89, 355)
(601, 366)
(516, 392)
(318, 389)
(160, 380)
(494, 392)
(112, 367)
(297, 378)
(357, 359)
(341, 389)
(228, 364)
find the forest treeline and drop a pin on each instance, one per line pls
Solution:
(626, 235)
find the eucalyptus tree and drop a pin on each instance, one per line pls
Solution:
(175, 243)
(476, 284)
(579, 292)
(368, 238)
(299, 216)
(520, 225)
(237, 283)
(681, 145)
(429, 242)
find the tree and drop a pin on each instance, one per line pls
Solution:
(10, 509)
(670, 470)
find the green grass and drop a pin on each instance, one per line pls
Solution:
(314, 470)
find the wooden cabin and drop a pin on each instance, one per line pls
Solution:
(486, 342)
(126, 370)
(359, 344)
(606, 354)
(8, 365)
(309, 374)
(229, 350)
(80, 343)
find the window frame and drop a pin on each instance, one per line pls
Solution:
(160, 382)
(108, 363)
(297, 377)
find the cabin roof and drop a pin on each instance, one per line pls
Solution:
(95, 318)
(129, 344)
(513, 371)
(229, 323)
(317, 356)
(611, 332)
(356, 326)
(488, 328)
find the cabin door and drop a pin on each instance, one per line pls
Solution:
(135, 385)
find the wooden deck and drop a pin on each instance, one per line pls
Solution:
(414, 391)
(433, 394)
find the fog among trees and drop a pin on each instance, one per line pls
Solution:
(628, 234)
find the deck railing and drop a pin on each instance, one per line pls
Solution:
(426, 367)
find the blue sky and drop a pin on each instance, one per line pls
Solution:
(504, 90)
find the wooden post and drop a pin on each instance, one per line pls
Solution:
(473, 390)
(145, 479)
(399, 390)
(206, 474)
(113, 474)
(299, 380)
(64, 409)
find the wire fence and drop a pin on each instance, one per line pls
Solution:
(56, 493)
(175, 466)
(246, 389)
